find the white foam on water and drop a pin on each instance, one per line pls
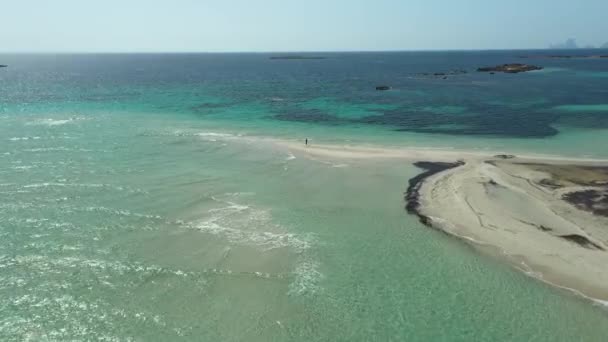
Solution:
(42, 262)
(49, 149)
(232, 207)
(84, 185)
(341, 165)
(24, 138)
(54, 122)
(247, 225)
(63, 149)
(239, 194)
(306, 279)
(243, 224)
(290, 156)
(214, 134)
(264, 239)
(23, 167)
(120, 212)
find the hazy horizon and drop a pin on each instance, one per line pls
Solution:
(281, 52)
(186, 26)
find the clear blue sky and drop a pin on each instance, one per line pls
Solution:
(290, 25)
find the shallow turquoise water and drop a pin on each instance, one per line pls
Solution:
(133, 226)
(137, 217)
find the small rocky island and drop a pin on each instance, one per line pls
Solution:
(3, 65)
(513, 68)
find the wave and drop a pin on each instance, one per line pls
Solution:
(62, 149)
(290, 156)
(246, 225)
(120, 212)
(23, 167)
(84, 185)
(54, 122)
(24, 138)
(306, 279)
(213, 134)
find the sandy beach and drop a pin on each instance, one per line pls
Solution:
(546, 215)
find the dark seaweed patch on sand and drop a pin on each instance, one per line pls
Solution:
(593, 200)
(412, 194)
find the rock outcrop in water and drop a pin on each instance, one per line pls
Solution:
(513, 68)
(383, 87)
(3, 65)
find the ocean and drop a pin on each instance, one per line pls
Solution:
(142, 196)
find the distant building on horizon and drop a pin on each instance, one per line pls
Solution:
(568, 44)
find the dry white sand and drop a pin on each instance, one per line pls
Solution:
(501, 206)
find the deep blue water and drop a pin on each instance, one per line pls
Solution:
(520, 105)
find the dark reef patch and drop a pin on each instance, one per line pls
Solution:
(204, 107)
(479, 119)
(592, 120)
(487, 120)
(412, 194)
(310, 116)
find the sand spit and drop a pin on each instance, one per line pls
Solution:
(527, 210)
(544, 214)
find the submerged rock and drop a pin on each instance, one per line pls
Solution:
(513, 68)
(383, 87)
(3, 65)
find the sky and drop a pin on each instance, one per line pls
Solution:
(296, 25)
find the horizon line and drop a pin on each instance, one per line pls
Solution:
(288, 51)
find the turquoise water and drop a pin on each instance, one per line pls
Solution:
(134, 209)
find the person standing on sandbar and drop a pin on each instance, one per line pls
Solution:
(306, 142)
